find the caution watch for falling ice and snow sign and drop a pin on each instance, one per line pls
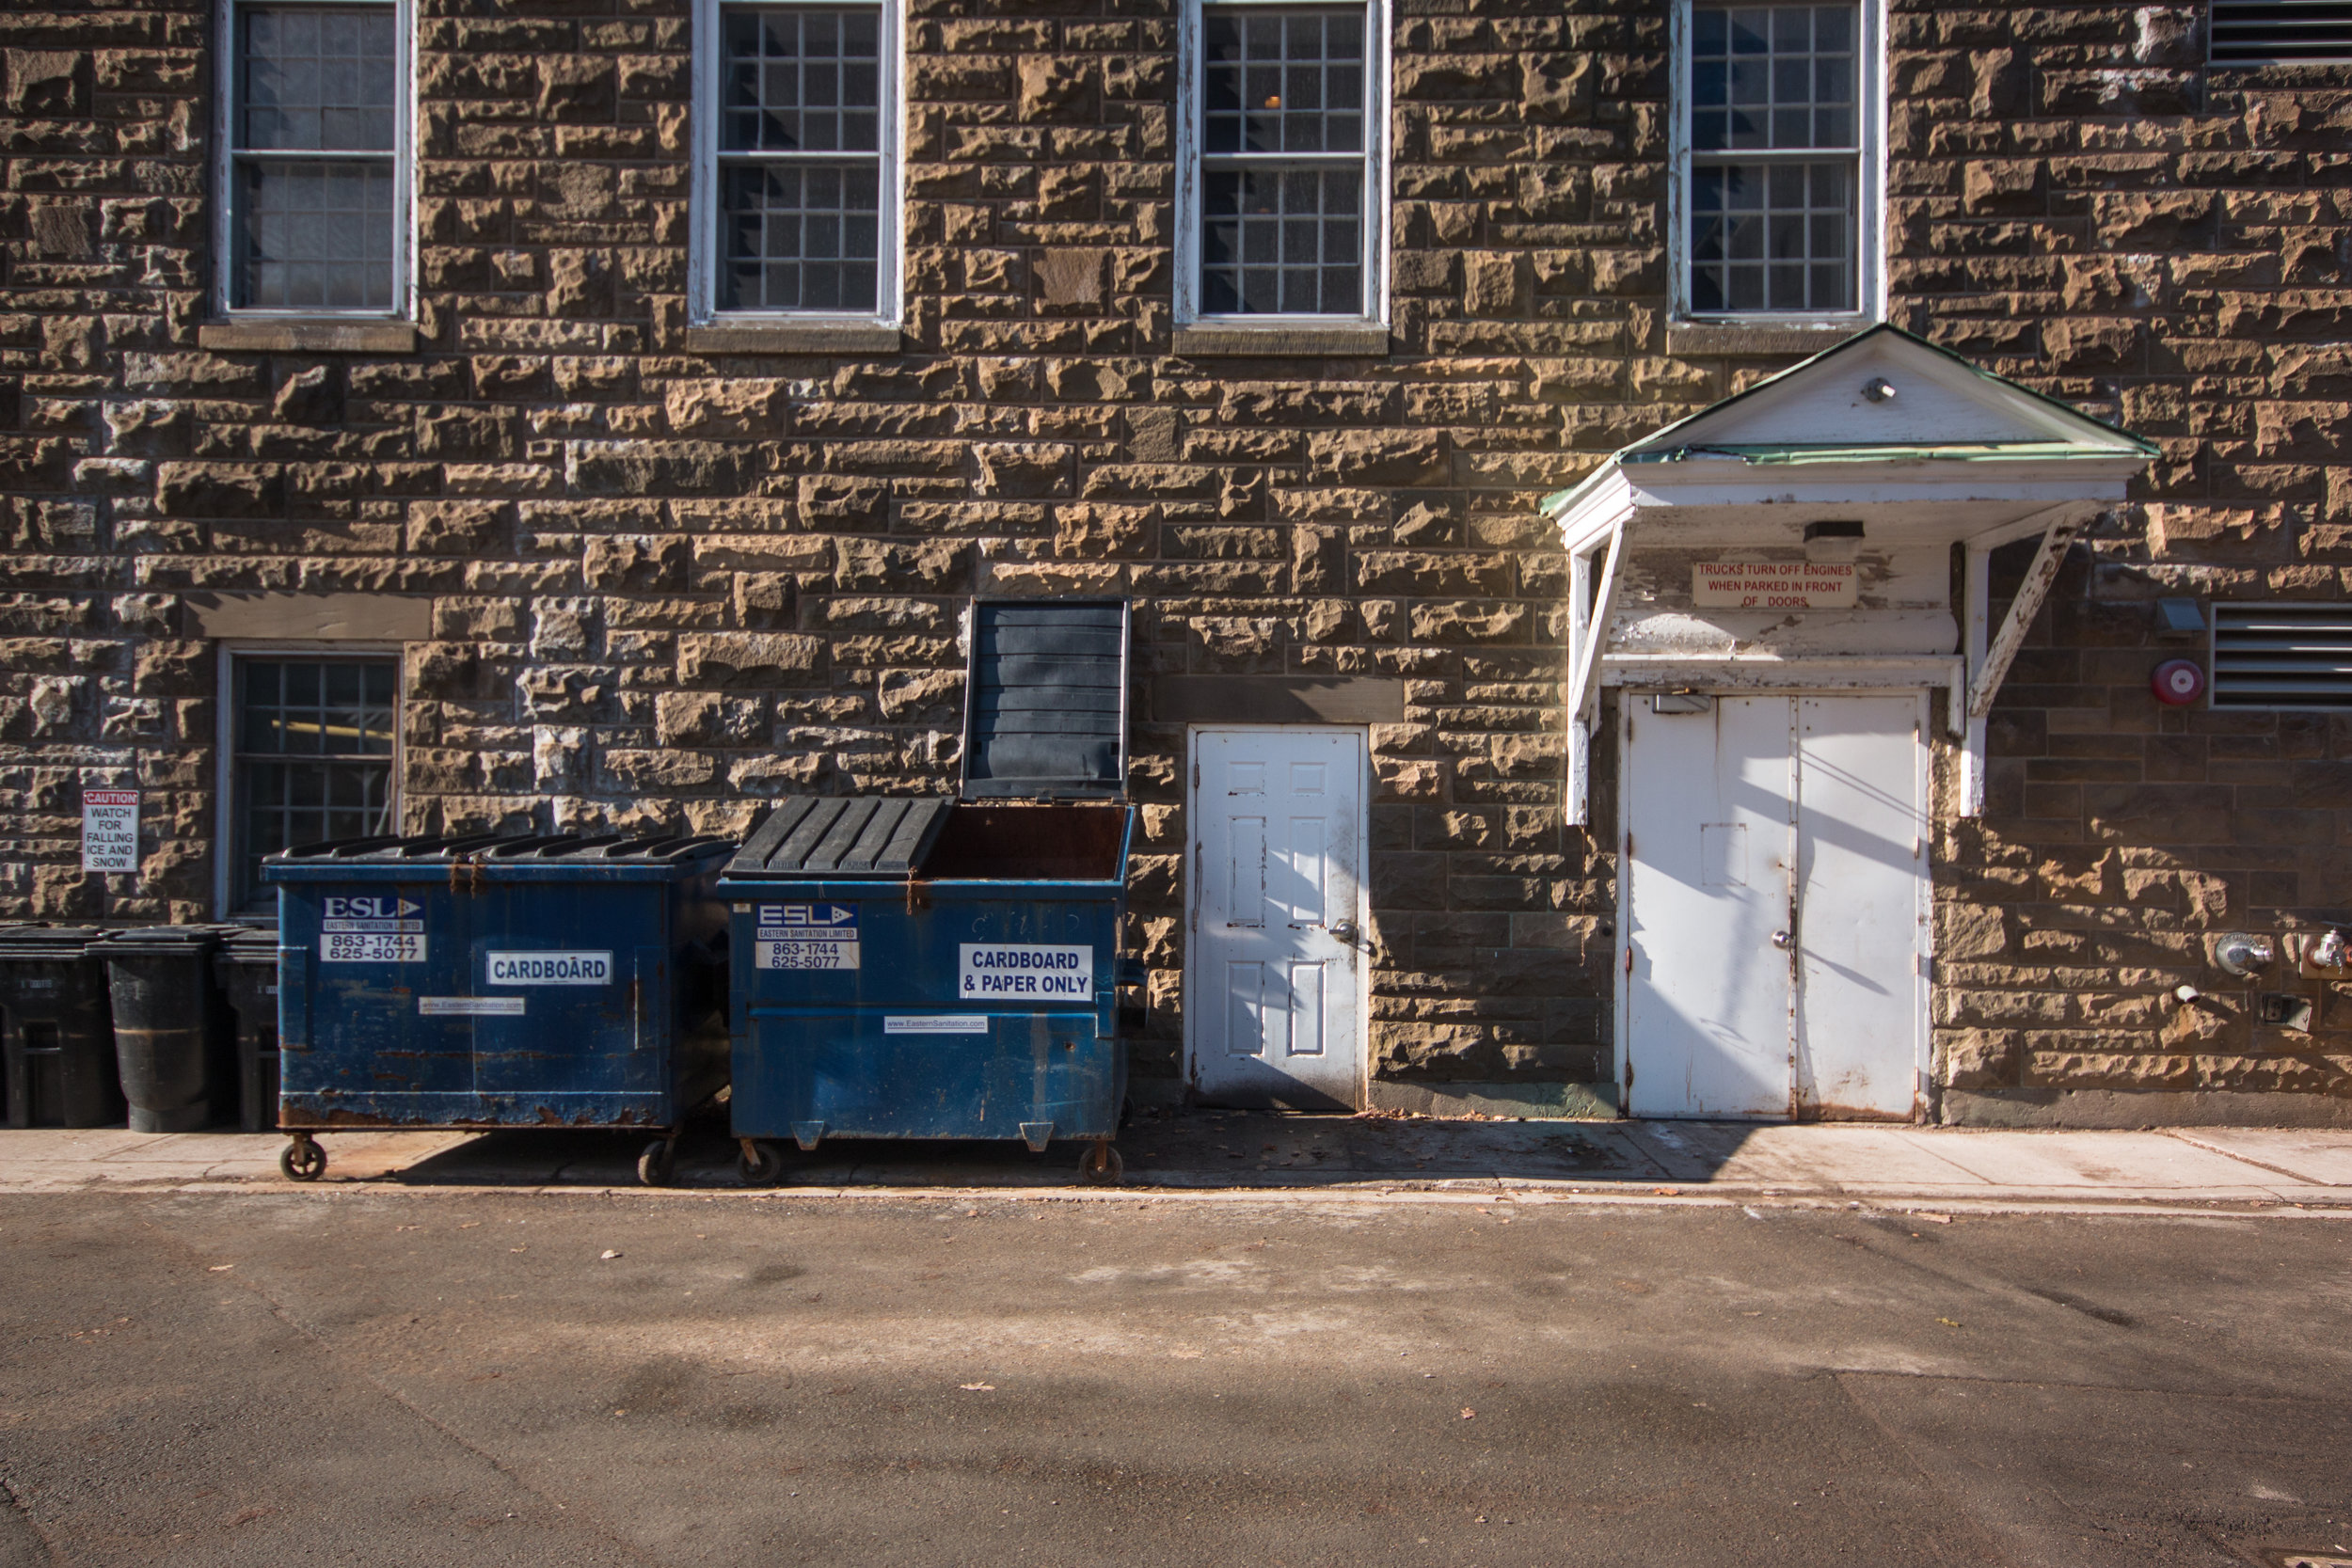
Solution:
(110, 830)
(1024, 972)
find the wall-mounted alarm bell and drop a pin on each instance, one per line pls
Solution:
(2178, 682)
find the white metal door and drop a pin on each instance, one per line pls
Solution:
(1861, 906)
(1271, 1003)
(1775, 906)
(1708, 996)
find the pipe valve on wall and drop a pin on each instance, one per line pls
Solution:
(2241, 953)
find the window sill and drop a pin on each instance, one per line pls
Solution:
(1202, 341)
(1740, 340)
(793, 337)
(309, 336)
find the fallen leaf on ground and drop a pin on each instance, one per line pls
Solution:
(607, 1255)
(977, 1387)
(1949, 1323)
(220, 1268)
(1468, 1414)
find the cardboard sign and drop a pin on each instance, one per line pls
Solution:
(1019, 970)
(110, 830)
(1774, 584)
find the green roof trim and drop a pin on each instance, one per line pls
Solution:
(1961, 451)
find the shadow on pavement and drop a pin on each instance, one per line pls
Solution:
(1175, 1148)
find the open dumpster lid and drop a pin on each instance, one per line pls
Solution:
(1045, 701)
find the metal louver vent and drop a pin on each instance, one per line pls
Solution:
(2282, 656)
(2281, 32)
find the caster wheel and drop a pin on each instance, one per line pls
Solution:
(761, 1163)
(656, 1163)
(302, 1160)
(1101, 1165)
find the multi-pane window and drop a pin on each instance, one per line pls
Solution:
(311, 755)
(1286, 133)
(803, 100)
(1775, 182)
(313, 181)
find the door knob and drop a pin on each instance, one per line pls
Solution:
(1344, 929)
(1780, 940)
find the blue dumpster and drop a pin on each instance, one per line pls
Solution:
(917, 967)
(485, 982)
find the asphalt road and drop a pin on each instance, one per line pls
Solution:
(430, 1377)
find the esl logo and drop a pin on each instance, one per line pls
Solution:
(815, 920)
(381, 908)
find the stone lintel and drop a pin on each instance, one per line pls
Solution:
(1232, 341)
(1734, 339)
(308, 337)
(1276, 700)
(1535, 1101)
(793, 337)
(312, 617)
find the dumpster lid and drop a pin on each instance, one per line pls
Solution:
(1045, 699)
(864, 835)
(506, 849)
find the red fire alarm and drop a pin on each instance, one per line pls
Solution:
(2179, 681)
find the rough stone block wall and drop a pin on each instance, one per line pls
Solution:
(666, 586)
(2081, 203)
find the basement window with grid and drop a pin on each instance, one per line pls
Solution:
(800, 111)
(314, 158)
(1285, 123)
(2280, 32)
(2282, 656)
(1777, 182)
(311, 757)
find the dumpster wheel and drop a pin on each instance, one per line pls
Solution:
(1099, 1163)
(302, 1159)
(761, 1163)
(658, 1162)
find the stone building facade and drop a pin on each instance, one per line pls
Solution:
(643, 571)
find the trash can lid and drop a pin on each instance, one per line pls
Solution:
(169, 941)
(862, 835)
(1045, 700)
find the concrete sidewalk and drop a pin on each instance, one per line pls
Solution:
(1242, 1153)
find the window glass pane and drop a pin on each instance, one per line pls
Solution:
(1772, 237)
(1771, 77)
(315, 233)
(1278, 240)
(314, 742)
(318, 80)
(1285, 80)
(800, 80)
(799, 236)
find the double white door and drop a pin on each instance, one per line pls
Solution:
(1775, 906)
(1272, 1001)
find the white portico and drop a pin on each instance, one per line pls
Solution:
(1777, 587)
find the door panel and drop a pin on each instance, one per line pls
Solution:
(1863, 839)
(1708, 806)
(1272, 1014)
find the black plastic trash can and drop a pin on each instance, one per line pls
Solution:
(246, 967)
(56, 1037)
(174, 1043)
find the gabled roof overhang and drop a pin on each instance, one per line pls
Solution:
(1886, 429)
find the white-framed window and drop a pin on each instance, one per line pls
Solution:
(316, 171)
(310, 748)
(1780, 150)
(1283, 200)
(797, 167)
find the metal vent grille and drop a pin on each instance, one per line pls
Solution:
(2280, 32)
(2282, 656)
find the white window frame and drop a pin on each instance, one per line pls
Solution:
(702, 242)
(1870, 225)
(226, 797)
(1376, 193)
(403, 305)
